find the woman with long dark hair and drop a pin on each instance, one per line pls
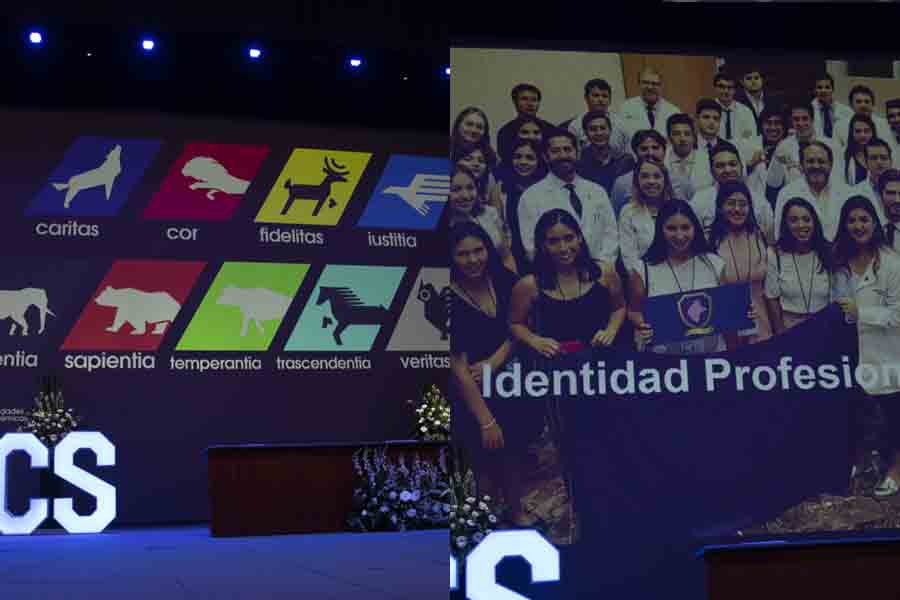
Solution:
(861, 131)
(566, 305)
(495, 431)
(738, 239)
(470, 126)
(800, 275)
(524, 167)
(860, 250)
(678, 260)
(466, 203)
(480, 160)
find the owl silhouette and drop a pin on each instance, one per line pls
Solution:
(437, 306)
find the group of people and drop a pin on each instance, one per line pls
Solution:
(559, 235)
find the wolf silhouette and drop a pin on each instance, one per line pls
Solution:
(104, 175)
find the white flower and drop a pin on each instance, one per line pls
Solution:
(475, 514)
(482, 506)
(392, 495)
(461, 541)
(405, 496)
(466, 509)
(470, 523)
(486, 498)
(411, 512)
(470, 500)
(477, 537)
(423, 429)
(364, 513)
(492, 519)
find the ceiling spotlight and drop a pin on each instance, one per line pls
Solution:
(255, 53)
(447, 71)
(356, 62)
(35, 38)
(148, 44)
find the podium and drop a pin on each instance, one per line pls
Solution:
(264, 489)
(824, 569)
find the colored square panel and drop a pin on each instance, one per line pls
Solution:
(244, 307)
(411, 194)
(347, 308)
(314, 187)
(206, 183)
(134, 306)
(95, 177)
(425, 321)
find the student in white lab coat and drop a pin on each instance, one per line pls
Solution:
(874, 272)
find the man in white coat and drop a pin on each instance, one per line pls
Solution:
(649, 110)
(738, 122)
(862, 102)
(878, 160)
(564, 188)
(892, 109)
(830, 116)
(785, 167)
(827, 194)
(597, 98)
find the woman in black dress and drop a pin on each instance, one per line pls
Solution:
(567, 305)
(495, 431)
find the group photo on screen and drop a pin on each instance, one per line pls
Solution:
(663, 210)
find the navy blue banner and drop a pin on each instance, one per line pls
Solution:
(676, 317)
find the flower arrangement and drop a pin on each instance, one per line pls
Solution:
(471, 519)
(50, 420)
(471, 522)
(399, 497)
(433, 416)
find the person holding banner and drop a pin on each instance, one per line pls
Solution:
(637, 221)
(800, 277)
(738, 239)
(874, 272)
(498, 431)
(862, 130)
(466, 202)
(678, 260)
(567, 305)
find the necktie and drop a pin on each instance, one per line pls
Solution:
(574, 199)
(826, 114)
(727, 123)
(889, 233)
(651, 117)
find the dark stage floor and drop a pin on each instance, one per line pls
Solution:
(186, 562)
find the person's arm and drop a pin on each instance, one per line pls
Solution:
(610, 280)
(628, 241)
(637, 292)
(777, 170)
(491, 434)
(772, 293)
(527, 221)
(765, 217)
(887, 314)
(496, 198)
(524, 294)
(608, 229)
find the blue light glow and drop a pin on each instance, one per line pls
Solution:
(148, 44)
(35, 38)
(255, 53)
(356, 62)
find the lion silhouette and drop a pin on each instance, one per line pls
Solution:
(210, 174)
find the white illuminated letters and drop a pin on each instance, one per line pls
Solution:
(64, 466)
(63, 457)
(454, 574)
(37, 510)
(482, 563)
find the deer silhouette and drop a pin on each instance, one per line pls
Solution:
(319, 193)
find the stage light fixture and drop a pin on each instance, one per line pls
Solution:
(148, 44)
(355, 62)
(447, 71)
(255, 53)
(35, 38)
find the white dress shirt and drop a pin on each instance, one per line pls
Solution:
(798, 282)
(780, 175)
(704, 205)
(636, 230)
(618, 138)
(840, 117)
(743, 123)
(634, 115)
(597, 222)
(756, 106)
(827, 205)
(690, 173)
(878, 302)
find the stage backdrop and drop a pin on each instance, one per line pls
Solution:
(198, 282)
(648, 455)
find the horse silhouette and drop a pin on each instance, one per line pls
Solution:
(437, 306)
(348, 309)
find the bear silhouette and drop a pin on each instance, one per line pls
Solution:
(137, 308)
(256, 304)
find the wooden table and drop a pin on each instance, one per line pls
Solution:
(264, 489)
